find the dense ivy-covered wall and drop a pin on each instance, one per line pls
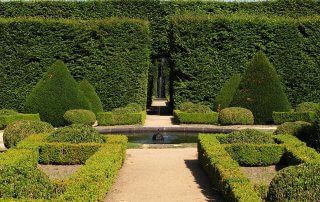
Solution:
(113, 54)
(207, 50)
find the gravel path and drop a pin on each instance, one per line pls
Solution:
(162, 175)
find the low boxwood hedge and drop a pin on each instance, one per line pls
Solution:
(80, 116)
(246, 136)
(221, 161)
(298, 128)
(20, 178)
(282, 117)
(7, 119)
(195, 117)
(110, 118)
(236, 116)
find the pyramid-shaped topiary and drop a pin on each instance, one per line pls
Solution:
(91, 95)
(225, 96)
(56, 93)
(260, 90)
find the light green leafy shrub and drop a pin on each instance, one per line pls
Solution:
(236, 116)
(309, 107)
(296, 183)
(247, 136)
(17, 131)
(80, 116)
(76, 133)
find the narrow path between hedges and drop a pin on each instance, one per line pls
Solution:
(162, 175)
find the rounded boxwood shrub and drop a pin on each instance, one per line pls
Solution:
(190, 107)
(76, 133)
(247, 136)
(260, 90)
(19, 130)
(56, 93)
(225, 96)
(298, 128)
(308, 107)
(80, 116)
(236, 116)
(91, 95)
(296, 183)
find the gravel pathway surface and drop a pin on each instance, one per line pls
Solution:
(162, 175)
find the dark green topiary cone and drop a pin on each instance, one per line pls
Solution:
(260, 90)
(91, 95)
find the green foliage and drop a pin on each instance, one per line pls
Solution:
(282, 117)
(255, 154)
(247, 136)
(116, 64)
(226, 94)
(130, 108)
(17, 131)
(236, 116)
(76, 133)
(298, 128)
(20, 178)
(195, 117)
(120, 118)
(7, 119)
(80, 116)
(189, 107)
(54, 94)
(309, 107)
(91, 95)
(260, 90)
(225, 43)
(296, 183)
(94, 179)
(6, 112)
(224, 172)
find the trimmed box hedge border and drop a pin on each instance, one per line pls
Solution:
(195, 118)
(110, 118)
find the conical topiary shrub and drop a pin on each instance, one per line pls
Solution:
(56, 93)
(225, 96)
(91, 95)
(260, 90)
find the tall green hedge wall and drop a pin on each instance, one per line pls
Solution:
(158, 12)
(209, 49)
(113, 54)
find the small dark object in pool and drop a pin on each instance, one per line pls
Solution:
(158, 138)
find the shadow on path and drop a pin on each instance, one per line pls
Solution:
(203, 181)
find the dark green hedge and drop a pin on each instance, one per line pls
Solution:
(195, 118)
(256, 155)
(112, 54)
(247, 136)
(110, 118)
(282, 117)
(207, 50)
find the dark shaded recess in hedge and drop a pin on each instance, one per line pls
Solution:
(113, 55)
(207, 50)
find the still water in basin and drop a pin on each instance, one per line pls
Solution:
(168, 138)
